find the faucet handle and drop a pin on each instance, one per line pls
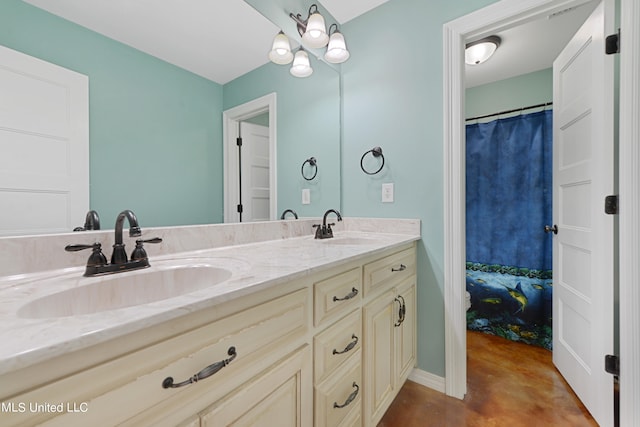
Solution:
(329, 231)
(76, 248)
(95, 259)
(139, 252)
(153, 240)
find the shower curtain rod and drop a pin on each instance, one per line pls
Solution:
(515, 110)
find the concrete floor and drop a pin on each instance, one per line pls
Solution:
(509, 384)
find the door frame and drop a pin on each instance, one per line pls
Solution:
(483, 22)
(629, 186)
(231, 119)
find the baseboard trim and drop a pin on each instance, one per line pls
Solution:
(428, 380)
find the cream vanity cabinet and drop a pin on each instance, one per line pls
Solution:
(328, 349)
(369, 347)
(258, 346)
(389, 330)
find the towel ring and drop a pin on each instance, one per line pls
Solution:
(377, 152)
(312, 162)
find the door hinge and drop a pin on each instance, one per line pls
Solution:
(612, 43)
(612, 364)
(240, 208)
(611, 204)
(239, 142)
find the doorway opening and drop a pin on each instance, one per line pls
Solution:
(250, 174)
(508, 201)
(487, 21)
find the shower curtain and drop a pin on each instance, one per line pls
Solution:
(508, 202)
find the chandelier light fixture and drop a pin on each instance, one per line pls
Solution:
(314, 35)
(479, 51)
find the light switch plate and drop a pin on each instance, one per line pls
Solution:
(387, 192)
(306, 196)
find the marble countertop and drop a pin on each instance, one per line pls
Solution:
(254, 266)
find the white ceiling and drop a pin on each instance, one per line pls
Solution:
(345, 11)
(529, 47)
(224, 39)
(219, 40)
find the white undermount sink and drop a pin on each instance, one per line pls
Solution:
(127, 289)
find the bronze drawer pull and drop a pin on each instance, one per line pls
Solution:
(401, 311)
(350, 295)
(350, 399)
(348, 347)
(401, 268)
(205, 373)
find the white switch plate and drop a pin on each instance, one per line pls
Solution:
(306, 196)
(387, 193)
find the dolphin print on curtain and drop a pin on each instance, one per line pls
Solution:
(508, 203)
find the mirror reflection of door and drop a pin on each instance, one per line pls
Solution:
(253, 177)
(250, 181)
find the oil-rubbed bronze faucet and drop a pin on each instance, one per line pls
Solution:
(91, 222)
(291, 211)
(97, 263)
(324, 231)
(119, 256)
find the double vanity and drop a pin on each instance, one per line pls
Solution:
(232, 324)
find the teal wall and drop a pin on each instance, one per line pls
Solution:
(517, 92)
(392, 88)
(308, 125)
(392, 97)
(155, 129)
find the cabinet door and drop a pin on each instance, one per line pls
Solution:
(406, 332)
(379, 356)
(281, 396)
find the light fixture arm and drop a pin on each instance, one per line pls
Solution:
(302, 24)
(334, 26)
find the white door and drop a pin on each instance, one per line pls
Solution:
(255, 172)
(583, 174)
(44, 146)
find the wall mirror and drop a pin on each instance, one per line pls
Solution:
(156, 140)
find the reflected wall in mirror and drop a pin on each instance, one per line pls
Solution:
(156, 130)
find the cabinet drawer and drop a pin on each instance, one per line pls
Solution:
(336, 344)
(337, 294)
(276, 397)
(340, 395)
(134, 383)
(388, 271)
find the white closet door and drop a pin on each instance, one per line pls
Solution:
(44, 146)
(255, 172)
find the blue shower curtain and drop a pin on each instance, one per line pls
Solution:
(509, 195)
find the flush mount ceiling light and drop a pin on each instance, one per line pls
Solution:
(479, 51)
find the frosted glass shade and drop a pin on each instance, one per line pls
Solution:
(301, 66)
(337, 50)
(315, 35)
(281, 50)
(481, 50)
